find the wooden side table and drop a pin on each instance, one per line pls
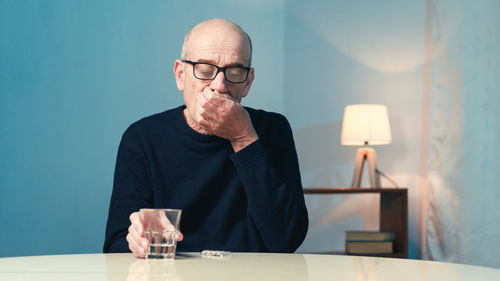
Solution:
(393, 212)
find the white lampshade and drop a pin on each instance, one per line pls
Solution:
(365, 124)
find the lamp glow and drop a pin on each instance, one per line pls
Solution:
(366, 124)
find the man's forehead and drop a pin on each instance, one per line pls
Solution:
(215, 51)
(225, 38)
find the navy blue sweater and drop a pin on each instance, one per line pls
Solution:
(249, 201)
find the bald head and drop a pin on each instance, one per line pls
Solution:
(224, 29)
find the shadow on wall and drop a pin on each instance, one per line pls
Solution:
(320, 80)
(320, 152)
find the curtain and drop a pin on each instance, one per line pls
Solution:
(462, 99)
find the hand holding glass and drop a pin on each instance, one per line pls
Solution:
(161, 229)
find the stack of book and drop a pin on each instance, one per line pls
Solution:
(369, 242)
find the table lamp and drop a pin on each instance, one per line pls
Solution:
(365, 124)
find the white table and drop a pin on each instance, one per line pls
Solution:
(240, 266)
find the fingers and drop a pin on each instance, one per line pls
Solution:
(137, 243)
(210, 105)
(215, 108)
(210, 99)
(180, 237)
(168, 226)
(215, 99)
(206, 112)
(213, 94)
(136, 220)
(137, 246)
(206, 109)
(135, 237)
(221, 115)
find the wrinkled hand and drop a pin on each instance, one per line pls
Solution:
(224, 116)
(135, 237)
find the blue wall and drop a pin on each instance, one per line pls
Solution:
(73, 76)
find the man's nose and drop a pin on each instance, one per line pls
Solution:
(219, 83)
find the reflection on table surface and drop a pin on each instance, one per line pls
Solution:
(239, 266)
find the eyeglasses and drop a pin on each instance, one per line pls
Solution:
(207, 71)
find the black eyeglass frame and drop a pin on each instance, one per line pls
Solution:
(219, 69)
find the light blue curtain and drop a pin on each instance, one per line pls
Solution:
(463, 174)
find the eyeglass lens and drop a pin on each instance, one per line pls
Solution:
(234, 74)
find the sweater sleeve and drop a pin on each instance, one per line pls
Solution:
(131, 191)
(273, 187)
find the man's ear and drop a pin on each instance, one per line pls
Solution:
(179, 75)
(248, 83)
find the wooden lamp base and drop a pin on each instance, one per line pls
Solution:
(368, 154)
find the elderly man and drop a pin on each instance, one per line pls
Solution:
(232, 170)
